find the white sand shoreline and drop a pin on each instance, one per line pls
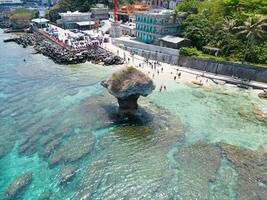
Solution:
(170, 71)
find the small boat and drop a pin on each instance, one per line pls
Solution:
(218, 82)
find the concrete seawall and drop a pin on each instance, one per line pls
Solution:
(243, 71)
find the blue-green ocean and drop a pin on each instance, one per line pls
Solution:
(59, 124)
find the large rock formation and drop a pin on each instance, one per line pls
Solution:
(127, 85)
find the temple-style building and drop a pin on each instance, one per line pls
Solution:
(126, 12)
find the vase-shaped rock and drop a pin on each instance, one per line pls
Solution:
(127, 85)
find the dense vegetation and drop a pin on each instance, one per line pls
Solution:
(23, 14)
(237, 27)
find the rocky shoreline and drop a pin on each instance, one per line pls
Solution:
(61, 55)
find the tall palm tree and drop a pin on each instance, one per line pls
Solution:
(253, 29)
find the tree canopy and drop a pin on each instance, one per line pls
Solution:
(237, 27)
(24, 14)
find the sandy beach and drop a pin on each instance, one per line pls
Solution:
(166, 74)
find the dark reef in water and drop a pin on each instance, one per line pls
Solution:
(17, 186)
(67, 173)
(251, 167)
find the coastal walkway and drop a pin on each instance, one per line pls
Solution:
(136, 60)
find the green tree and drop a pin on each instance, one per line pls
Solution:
(257, 53)
(197, 29)
(252, 30)
(190, 6)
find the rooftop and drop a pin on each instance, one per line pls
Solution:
(72, 14)
(157, 12)
(172, 39)
(129, 25)
(40, 20)
(87, 23)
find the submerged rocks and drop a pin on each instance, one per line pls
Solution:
(17, 186)
(46, 195)
(127, 85)
(198, 163)
(251, 167)
(79, 146)
(263, 95)
(67, 173)
(254, 113)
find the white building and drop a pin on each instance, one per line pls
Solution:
(10, 2)
(70, 20)
(100, 12)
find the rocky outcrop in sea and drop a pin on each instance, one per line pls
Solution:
(67, 173)
(127, 85)
(62, 55)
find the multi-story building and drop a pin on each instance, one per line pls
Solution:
(10, 2)
(153, 25)
(100, 12)
(168, 4)
(71, 20)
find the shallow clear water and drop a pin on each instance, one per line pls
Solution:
(54, 116)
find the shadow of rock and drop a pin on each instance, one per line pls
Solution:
(133, 156)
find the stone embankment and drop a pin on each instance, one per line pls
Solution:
(61, 55)
(242, 71)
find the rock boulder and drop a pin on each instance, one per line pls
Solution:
(127, 85)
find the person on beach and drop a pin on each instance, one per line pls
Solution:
(162, 69)
(174, 78)
(158, 72)
(160, 89)
(179, 74)
(164, 87)
(153, 76)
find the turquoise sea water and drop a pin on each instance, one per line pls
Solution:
(191, 144)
